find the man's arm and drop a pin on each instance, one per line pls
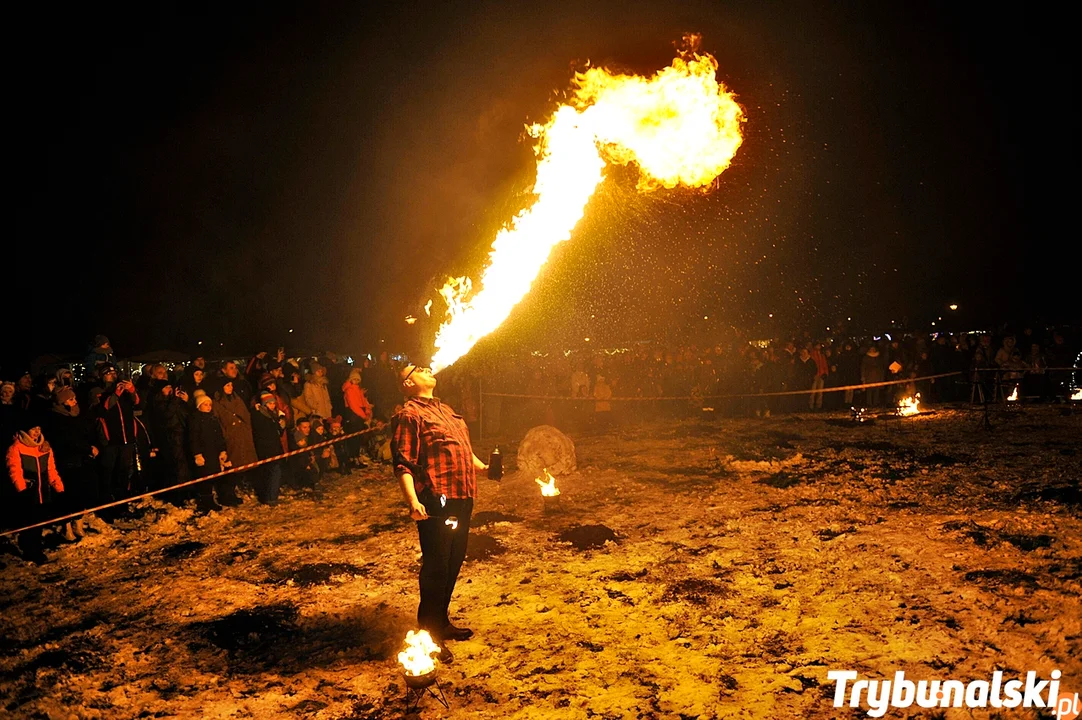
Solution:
(417, 510)
(478, 464)
(405, 453)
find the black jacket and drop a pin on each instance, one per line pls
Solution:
(116, 417)
(267, 435)
(205, 437)
(70, 437)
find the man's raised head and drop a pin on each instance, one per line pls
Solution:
(416, 381)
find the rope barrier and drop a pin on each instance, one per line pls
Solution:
(840, 388)
(731, 395)
(215, 476)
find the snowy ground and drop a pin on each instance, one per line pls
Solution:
(749, 558)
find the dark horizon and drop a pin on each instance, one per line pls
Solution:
(226, 175)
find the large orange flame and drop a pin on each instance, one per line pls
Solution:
(681, 127)
(416, 658)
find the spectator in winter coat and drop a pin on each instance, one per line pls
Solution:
(255, 368)
(267, 427)
(316, 394)
(24, 391)
(822, 370)
(100, 352)
(65, 378)
(41, 397)
(358, 413)
(848, 361)
(325, 457)
(872, 371)
(1003, 355)
(292, 385)
(304, 465)
(236, 421)
(193, 381)
(9, 411)
(32, 470)
(602, 407)
(272, 384)
(71, 436)
(206, 441)
(167, 420)
(1035, 382)
(116, 434)
(230, 372)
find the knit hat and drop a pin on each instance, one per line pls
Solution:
(202, 398)
(106, 366)
(267, 395)
(266, 380)
(314, 367)
(100, 341)
(355, 374)
(63, 395)
(27, 420)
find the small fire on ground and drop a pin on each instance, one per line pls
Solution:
(1013, 397)
(909, 406)
(417, 659)
(548, 485)
(1077, 394)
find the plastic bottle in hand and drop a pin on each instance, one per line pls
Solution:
(495, 465)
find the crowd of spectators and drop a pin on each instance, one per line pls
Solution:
(75, 440)
(80, 436)
(688, 380)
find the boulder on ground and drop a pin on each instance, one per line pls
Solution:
(545, 447)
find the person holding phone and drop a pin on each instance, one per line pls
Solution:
(116, 432)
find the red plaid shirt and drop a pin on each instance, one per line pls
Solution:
(431, 442)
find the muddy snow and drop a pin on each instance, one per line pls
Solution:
(692, 569)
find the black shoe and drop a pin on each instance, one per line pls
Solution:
(446, 656)
(231, 500)
(37, 557)
(450, 632)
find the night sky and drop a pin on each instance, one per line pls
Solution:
(190, 172)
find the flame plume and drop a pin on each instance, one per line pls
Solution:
(681, 127)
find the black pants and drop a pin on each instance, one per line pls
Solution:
(443, 548)
(116, 466)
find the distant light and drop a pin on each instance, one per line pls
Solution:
(349, 359)
(770, 315)
(290, 329)
(200, 342)
(706, 317)
(953, 306)
(410, 319)
(849, 318)
(587, 339)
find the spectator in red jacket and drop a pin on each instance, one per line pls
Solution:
(358, 414)
(32, 470)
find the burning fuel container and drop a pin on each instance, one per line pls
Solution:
(551, 505)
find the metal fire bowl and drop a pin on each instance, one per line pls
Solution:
(551, 505)
(418, 682)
